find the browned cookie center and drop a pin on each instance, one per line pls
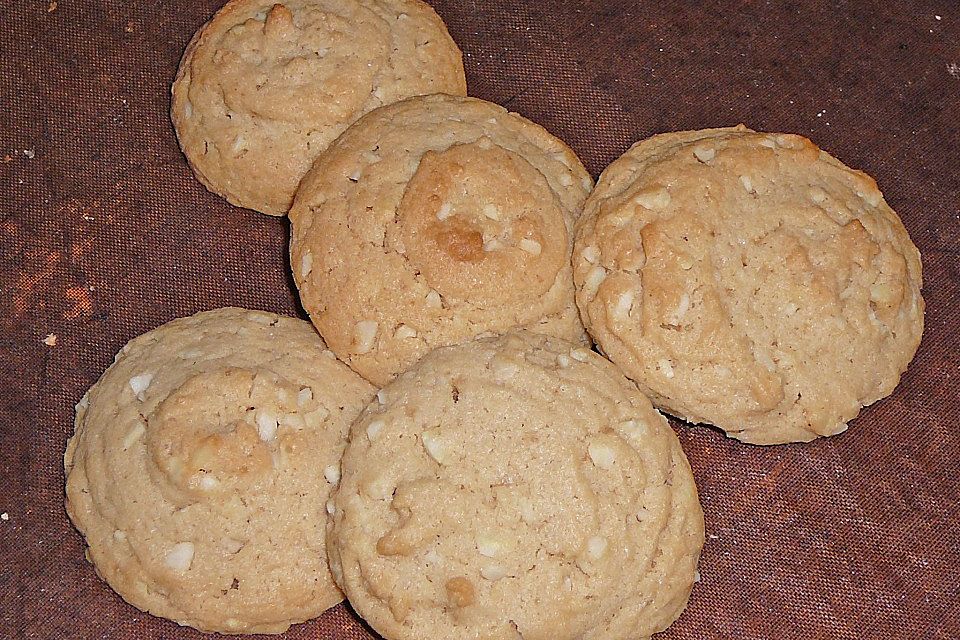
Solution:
(474, 216)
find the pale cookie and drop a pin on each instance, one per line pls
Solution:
(264, 88)
(201, 466)
(431, 221)
(750, 281)
(515, 487)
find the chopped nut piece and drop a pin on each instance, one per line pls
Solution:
(306, 264)
(434, 446)
(596, 547)
(140, 383)
(267, 426)
(365, 334)
(705, 154)
(180, 556)
(531, 246)
(602, 455)
(374, 428)
(332, 473)
(493, 572)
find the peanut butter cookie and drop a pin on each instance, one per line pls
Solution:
(750, 281)
(265, 87)
(515, 487)
(201, 464)
(431, 221)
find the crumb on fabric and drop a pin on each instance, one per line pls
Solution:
(4, 516)
(52, 6)
(50, 340)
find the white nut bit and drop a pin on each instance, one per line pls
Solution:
(653, 199)
(118, 535)
(208, 482)
(432, 557)
(433, 300)
(747, 184)
(818, 195)
(563, 360)
(444, 212)
(434, 446)
(140, 383)
(365, 335)
(765, 359)
(580, 355)
(768, 143)
(239, 144)
(493, 572)
(180, 556)
(491, 211)
(602, 455)
(504, 370)
(231, 545)
(404, 332)
(591, 254)
(624, 305)
(306, 264)
(331, 508)
(267, 426)
(666, 367)
(134, 435)
(332, 473)
(594, 279)
(304, 397)
(531, 246)
(373, 429)
(488, 547)
(705, 154)
(492, 245)
(355, 176)
(596, 547)
(565, 180)
(382, 397)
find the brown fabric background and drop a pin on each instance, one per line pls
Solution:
(105, 234)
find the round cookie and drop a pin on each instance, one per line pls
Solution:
(200, 466)
(510, 487)
(263, 88)
(431, 221)
(750, 281)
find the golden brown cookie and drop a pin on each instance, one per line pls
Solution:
(515, 487)
(431, 221)
(750, 281)
(201, 464)
(264, 88)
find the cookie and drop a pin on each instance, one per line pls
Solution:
(201, 464)
(750, 281)
(263, 88)
(514, 487)
(431, 221)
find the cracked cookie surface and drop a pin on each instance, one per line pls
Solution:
(263, 88)
(515, 486)
(431, 221)
(201, 464)
(750, 281)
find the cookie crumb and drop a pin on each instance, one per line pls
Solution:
(52, 6)
(50, 340)
(705, 154)
(30, 153)
(4, 516)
